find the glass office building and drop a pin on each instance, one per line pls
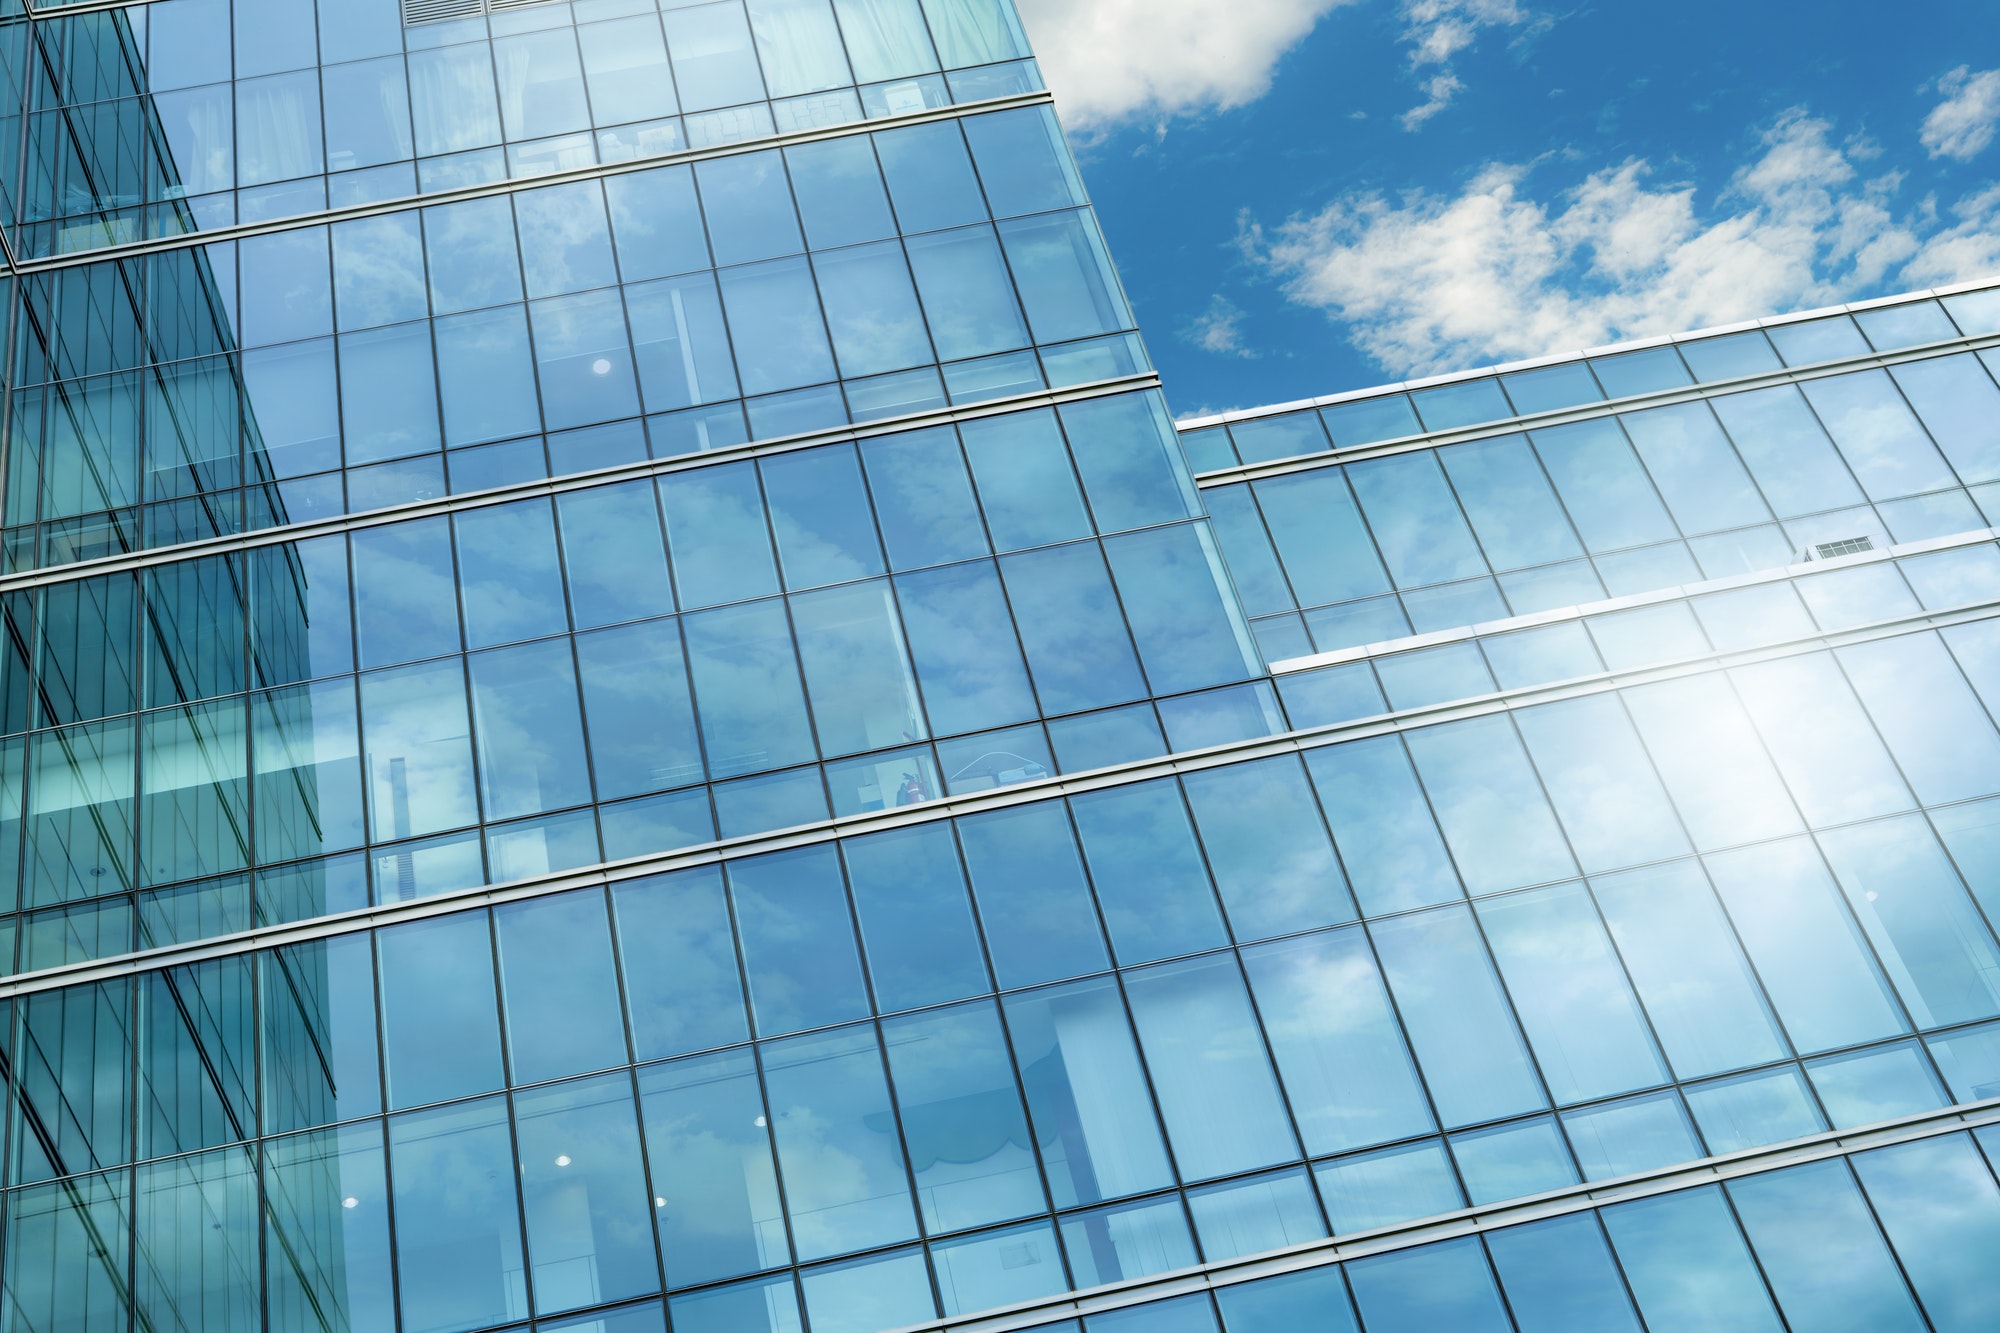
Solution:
(622, 711)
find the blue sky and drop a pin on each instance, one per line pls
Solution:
(1307, 196)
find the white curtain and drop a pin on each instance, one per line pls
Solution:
(975, 32)
(800, 46)
(277, 128)
(886, 39)
(451, 95)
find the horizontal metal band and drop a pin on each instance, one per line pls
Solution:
(516, 185)
(824, 831)
(1278, 467)
(1468, 1221)
(1654, 343)
(1632, 601)
(572, 481)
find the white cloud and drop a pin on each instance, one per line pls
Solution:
(1430, 281)
(1436, 31)
(1219, 329)
(1113, 60)
(1963, 124)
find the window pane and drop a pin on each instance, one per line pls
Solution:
(418, 750)
(961, 638)
(509, 576)
(1041, 924)
(1489, 804)
(1382, 825)
(1821, 1251)
(560, 987)
(1698, 989)
(845, 1186)
(715, 1190)
(1206, 1056)
(915, 919)
(1457, 1017)
(582, 1181)
(746, 684)
(1805, 947)
(325, 1194)
(1087, 1092)
(1688, 1264)
(1337, 1042)
(798, 942)
(1587, 1029)
(531, 753)
(1268, 848)
(440, 1019)
(458, 1232)
(972, 1167)
(1149, 873)
(1434, 1287)
(318, 1026)
(1938, 1203)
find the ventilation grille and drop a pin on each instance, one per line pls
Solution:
(1845, 546)
(438, 11)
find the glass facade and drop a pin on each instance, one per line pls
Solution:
(622, 709)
